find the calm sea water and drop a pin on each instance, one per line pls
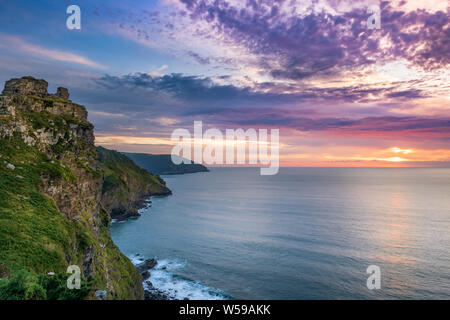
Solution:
(306, 233)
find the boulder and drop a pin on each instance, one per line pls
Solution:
(155, 294)
(145, 275)
(147, 265)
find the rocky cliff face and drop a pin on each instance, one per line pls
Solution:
(51, 188)
(126, 186)
(26, 86)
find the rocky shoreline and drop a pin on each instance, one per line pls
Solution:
(123, 214)
(150, 292)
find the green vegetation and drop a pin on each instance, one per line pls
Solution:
(47, 99)
(162, 164)
(57, 123)
(41, 234)
(95, 173)
(110, 182)
(25, 285)
(33, 233)
(48, 103)
(123, 176)
(35, 238)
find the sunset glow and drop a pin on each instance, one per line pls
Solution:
(340, 94)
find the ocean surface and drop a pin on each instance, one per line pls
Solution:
(306, 233)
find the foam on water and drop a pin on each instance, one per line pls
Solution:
(165, 279)
(113, 221)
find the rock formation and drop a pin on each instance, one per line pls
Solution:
(62, 93)
(29, 86)
(26, 86)
(126, 186)
(50, 202)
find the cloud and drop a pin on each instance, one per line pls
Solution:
(16, 43)
(207, 90)
(166, 121)
(176, 99)
(296, 45)
(198, 58)
(175, 85)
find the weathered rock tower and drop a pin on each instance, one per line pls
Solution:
(29, 86)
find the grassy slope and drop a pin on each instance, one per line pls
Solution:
(33, 233)
(34, 236)
(125, 181)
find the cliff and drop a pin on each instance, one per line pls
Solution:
(162, 164)
(50, 199)
(126, 186)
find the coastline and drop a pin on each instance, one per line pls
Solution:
(144, 202)
(161, 278)
(275, 241)
(143, 266)
(161, 281)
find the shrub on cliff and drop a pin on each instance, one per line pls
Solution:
(25, 285)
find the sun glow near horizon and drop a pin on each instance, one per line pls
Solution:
(340, 93)
(295, 155)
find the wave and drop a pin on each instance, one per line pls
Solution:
(164, 278)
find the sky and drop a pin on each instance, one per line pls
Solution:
(340, 94)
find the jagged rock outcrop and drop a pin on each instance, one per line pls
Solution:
(62, 93)
(50, 203)
(29, 86)
(26, 86)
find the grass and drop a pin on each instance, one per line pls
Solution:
(121, 174)
(49, 121)
(33, 233)
(35, 237)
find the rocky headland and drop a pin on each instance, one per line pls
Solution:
(162, 164)
(126, 187)
(57, 195)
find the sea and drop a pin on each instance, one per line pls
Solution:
(305, 233)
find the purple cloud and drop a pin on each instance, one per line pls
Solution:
(297, 47)
(189, 98)
(205, 93)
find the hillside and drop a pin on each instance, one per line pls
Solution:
(50, 201)
(126, 186)
(162, 164)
